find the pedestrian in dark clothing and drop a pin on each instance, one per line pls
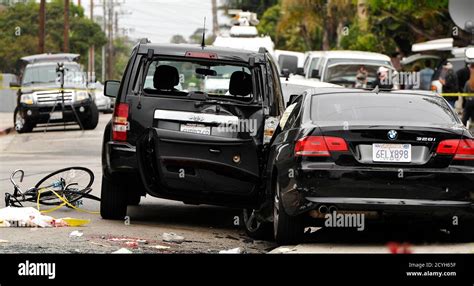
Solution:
(463, 75)
(468, 112)
(450, 83)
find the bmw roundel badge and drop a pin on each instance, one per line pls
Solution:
(392, 134)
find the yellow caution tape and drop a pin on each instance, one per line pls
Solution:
(457, 94)
(64, 203)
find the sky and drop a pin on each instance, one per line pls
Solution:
(159, 20)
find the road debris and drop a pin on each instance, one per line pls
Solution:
(129, 242)
(172, 237)
(31, 217)
(76, 235)
(231, 251)
(159, 247)
(122, 251)
(24, 217)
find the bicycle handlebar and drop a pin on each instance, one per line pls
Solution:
(17, 188)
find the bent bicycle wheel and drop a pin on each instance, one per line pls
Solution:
(79, 180)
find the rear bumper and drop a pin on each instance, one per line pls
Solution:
(417, 191)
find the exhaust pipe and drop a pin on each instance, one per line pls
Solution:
(323, 209)
(332, 209)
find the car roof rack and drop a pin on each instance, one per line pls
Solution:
(262, 50)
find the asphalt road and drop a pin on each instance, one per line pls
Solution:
(206, 229)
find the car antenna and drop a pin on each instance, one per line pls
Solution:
(203, 43)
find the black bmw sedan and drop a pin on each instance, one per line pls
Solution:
(401, 154)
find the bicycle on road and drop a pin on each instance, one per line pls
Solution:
(63, 187)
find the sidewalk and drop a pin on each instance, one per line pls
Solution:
(6, 121)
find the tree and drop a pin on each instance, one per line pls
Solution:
(196, 37)
(19, 31)
(178, 39)
(384, 26)
(256, 6)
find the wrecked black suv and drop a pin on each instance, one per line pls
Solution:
(191, 123)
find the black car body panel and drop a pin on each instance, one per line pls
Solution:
(432, 184)
(221, 166)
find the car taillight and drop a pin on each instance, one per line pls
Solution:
(120, 122)
(462, 149)
(319, 146)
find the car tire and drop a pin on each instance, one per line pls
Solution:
(92, 121)
(133, 199)
(113, 201)
(253, 228)
(287, 230)
(22, 125)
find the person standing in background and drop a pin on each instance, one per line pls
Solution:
(463, 75)
(426, 75)
(449, 80)
(468, 111)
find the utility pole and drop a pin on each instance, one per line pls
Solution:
(110, 50)
(79, 3)
(91, 49)
(66, 26)
(104, 27)
(215, 24)
(116, 24)
(42, 16)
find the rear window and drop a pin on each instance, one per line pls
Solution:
(379, 109)
(176, 77)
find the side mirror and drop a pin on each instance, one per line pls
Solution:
(300, 71)
(111, 88)
(292, 99)
(285, 73)
(315, 74)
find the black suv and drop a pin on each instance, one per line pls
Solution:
(40, 99)
(190, 123)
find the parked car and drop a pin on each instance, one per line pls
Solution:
(290, 61)
(342, 67)
(104, 104)
(40, 99)
(401, 154)
(294, 85)
(311, 62)
(177, 138)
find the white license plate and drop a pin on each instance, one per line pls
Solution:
(56, 115)
(196, 129)
(398, 153)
